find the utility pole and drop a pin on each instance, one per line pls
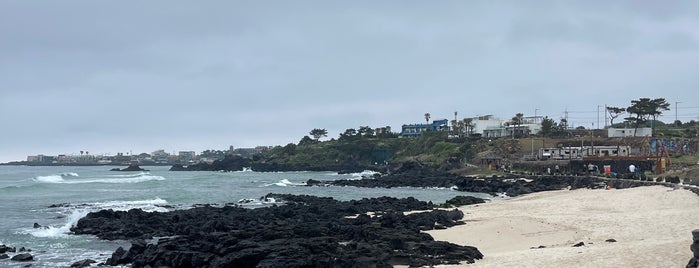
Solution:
(598, 116)
(677, 102)
(605, 116)
(536, 109)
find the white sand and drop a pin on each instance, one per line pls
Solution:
(652, 225)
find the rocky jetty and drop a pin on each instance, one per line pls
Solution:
(304, 232)
(129, 168)
(237, 163)
(414, 175)
(694, 261)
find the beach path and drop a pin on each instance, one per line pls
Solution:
(651, 225)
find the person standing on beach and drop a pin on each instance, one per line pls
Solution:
(557, 169)
(632, 170)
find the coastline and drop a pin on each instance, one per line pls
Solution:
(651, 225)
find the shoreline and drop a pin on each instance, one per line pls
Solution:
(651, 225)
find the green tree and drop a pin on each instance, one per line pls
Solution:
(516, 121)
(468, 125)
(349, 133)
(646, 109)
(318, 133)
(427, 118)
(306, 140)
(366, 131)
(548, 127)
(614, 112)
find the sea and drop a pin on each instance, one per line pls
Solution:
(56, 197)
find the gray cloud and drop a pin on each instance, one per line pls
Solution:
(120, 76)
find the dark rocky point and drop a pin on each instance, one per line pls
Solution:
(3, 256)
(129, 168)
(579, 244)
(611, 240)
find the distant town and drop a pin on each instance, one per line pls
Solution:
(677, 138)
(158, 157)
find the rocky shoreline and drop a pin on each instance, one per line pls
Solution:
(318, 231)
(305, 231)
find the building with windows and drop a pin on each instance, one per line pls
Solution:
(415, 130)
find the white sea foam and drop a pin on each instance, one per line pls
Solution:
(251, 202)
(61, 231)
(77, 212)
(284, 183)
(363, 174)
(71, 178)
(50, 179)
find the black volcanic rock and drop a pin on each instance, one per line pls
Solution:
(22, 257)
(83, 263)
(464, 201)
(305, 232)
(129, 168)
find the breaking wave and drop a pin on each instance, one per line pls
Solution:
(284, 183)
(73, 178)
(76, 212)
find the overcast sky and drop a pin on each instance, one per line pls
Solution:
(120, 76)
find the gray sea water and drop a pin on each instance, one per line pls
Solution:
(28, 193)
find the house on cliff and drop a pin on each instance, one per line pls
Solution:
(415, 130)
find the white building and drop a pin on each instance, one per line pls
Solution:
(629, 132)
(494, 128)
(481, 123)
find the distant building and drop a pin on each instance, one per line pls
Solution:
(415, 130)
(248, 152)
(491, 127)
(186, 155)
(629, 132)
(481, 123)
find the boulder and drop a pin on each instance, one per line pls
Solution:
(23, 257)
(83, 263)
(464, 201)
(579, 244)
(3, 256)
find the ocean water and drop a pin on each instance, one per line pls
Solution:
(28, 193)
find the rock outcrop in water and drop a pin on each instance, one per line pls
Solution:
(307, 231)
(129, 168)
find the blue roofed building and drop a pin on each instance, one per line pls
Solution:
(415, 130)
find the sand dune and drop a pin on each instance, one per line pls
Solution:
(652, 227)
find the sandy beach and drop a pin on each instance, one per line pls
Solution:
(652, 227)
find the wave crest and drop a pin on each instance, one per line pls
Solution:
(72, 178)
